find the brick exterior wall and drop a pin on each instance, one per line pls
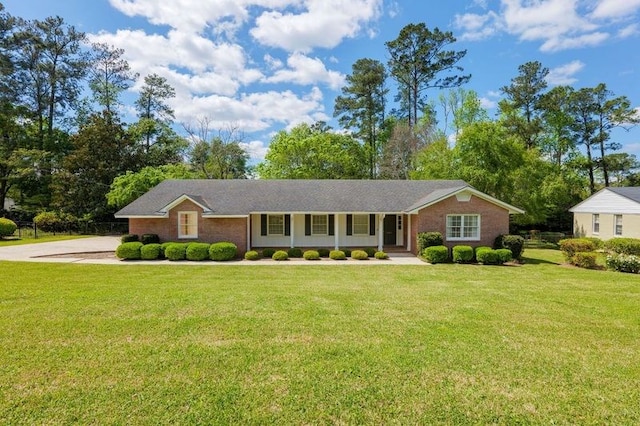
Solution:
(494, 220)
(210, 230)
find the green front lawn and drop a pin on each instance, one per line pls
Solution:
(366, 344)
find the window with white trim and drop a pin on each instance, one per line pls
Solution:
(319, 224)
(276, 224)
(463, 227)
(187, 224)
(360, 224)
(596, 223)
(618, 225)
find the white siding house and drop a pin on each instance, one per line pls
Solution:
(609, 213)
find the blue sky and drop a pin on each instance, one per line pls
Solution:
(265, 65)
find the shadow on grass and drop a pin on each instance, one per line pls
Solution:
(537, 261)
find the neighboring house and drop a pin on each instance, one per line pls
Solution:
(318, 213)
(610, 212)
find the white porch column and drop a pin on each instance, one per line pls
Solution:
(409, 238)
(380, 231)
(336, 231)
(292, 230)
(248, 232)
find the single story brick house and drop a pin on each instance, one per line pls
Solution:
(318, 213)
(610, 212)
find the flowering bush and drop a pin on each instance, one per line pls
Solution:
(624, 263)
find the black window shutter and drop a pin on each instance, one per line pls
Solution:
(331, 224)
(287, 224)
(372, 224)
(349, 224)
(263, 224)
(307, 224)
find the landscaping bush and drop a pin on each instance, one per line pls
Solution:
(311, 255)
(515, 243)
(623, 263)
(150, 251)
(571, 246)
(504, 255)
(280, 255)
(337, 255)
(597, 242)
(150, 239)
(623, 246)
(584, 260)
(197, 251)
(380, 255)
(129, 238)
(462, 254)
(487, 256)
(129, 251)
(429, 239)
(252, 255)
(346, 251)
(359, 255)
(370, 251)
(175, 251)
(56, 222)
(323, 252)
(294, 252)
(163, 247)
(7, 227)
(268, 252)
(223, 251)
(436, 254)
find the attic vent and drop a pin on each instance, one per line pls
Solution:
(463, 197)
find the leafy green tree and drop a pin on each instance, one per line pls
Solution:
(362, 106)
(556, 143)
(436, 161)
(220, 160)
(621, 167)
(306, 154)
(461, 108)
(109, 76)
(127, 187)
(584, 128)
(417, 60)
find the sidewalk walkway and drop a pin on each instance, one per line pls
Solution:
(84, 250)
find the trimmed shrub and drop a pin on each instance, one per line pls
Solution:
(515, 243)
(623, 246)
(197, 251)
(487, 256)
(311, 255)
(252, 255)
(150, 239)
(163, 247)
(268, 252)
(370, 251)
(504, 255)
(429, 239)
(223, 251)
(380, 255)
(56, 222)
(175, 251)
(584, 260)
(150, 251)
(623, 263)
(462, 254)
(571, 246)
(337, 255)
(597, 242)
(7, 227)
(359, 255)
(129, 251)
(436, 254)
(346, 251)
(280, 255)
(294, 252)
(129, 238)
(323, 252)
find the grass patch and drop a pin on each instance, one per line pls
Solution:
(15, 241)
(167, 344)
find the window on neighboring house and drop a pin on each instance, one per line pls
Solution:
(188, 225)
(360, 224)
(463, 227)
(618, 224)
(276, 224)
(596, 223)
(319, 224)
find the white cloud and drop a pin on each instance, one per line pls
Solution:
(273, 63)
(256, 150)
(304, 70)
(606, 9)
(564, 74)
(323, 23)
(487, 103)
(629, 31)
(559, 43)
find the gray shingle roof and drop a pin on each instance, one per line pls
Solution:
(631, 192)
(242, 197)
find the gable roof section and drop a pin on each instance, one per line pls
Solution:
(611, 200)
(243, 197)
